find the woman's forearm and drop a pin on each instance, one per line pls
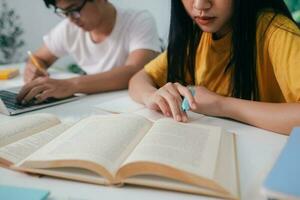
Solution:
(277, 117)
(141, 86)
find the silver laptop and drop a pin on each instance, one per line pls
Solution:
(10, 106)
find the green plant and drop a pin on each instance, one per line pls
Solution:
(10, 35)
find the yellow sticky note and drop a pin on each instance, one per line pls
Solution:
(8, 73)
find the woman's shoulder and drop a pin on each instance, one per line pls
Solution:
(269, 22)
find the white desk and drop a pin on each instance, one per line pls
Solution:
(257, 151)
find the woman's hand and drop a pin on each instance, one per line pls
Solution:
(168, 100)
(44, 87)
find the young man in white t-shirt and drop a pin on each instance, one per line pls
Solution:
(108, 43)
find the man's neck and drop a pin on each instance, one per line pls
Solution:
(106, 27)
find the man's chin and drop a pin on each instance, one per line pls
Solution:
(86, 29)
(82, 27)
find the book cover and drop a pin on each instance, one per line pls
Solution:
(283, 182)
(16, 193)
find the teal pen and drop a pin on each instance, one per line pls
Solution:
(185, 103)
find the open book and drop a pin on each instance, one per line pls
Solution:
(125, 149)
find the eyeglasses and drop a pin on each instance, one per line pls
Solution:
(73, 13)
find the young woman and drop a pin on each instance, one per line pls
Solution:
(241, 57)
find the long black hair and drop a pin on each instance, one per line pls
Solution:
(185, 35)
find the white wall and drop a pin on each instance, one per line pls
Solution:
(37, 20)
(160, 9)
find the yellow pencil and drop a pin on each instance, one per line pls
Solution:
(36, 63)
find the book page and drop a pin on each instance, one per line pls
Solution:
(188, 147)
(153, 115)
(120, 105)
(106, 140)
(22, 127)
(227, 172)
(17, 151)
(165, 183)
(77, 174)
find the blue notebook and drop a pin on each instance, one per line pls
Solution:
(17, 193)
(284, 179)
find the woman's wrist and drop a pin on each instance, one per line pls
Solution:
(146, 95)
(225, 107)
(231, 108)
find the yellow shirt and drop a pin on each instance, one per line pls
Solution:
(278, 62)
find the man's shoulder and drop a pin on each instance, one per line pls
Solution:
(133, 15)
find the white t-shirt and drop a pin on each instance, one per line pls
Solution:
(133, 30)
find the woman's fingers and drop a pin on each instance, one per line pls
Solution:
(163, 106)
(174, 106)
(172, 89)
(187, 92)
(173, 99)
(169, 100)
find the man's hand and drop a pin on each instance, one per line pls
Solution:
(43, 58)
(43, 88)
(31, 73)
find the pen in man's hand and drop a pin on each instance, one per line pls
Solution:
(37, 64)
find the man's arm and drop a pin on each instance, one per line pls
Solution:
(115, 79)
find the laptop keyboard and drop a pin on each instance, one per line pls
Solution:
(9, 99)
